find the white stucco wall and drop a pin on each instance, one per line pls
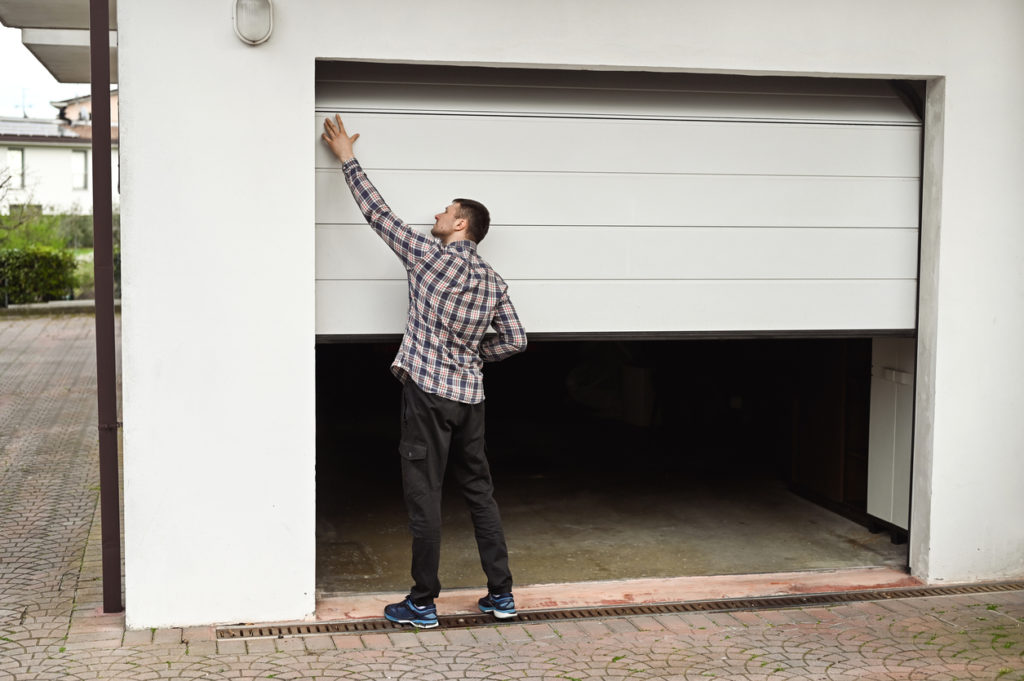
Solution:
(218, 339)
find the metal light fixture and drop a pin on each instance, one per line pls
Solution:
(254, 20)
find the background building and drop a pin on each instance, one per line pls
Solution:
(76, 114)
(49, 161)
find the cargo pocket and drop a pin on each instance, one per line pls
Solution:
(412, 451)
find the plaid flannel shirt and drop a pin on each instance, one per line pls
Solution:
(454, 296)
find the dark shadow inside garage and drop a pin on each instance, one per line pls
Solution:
(617, 459)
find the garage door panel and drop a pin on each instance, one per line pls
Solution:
(632, 202)
(559, 252)
(608, 102)
(635, 199)
(564, 145)
(379, 307)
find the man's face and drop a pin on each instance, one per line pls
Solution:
(444, 223)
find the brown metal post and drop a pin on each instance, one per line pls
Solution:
(103, 267)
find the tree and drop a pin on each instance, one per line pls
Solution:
(20, 216)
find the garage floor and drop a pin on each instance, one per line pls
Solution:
(599, 527)
(596, 480)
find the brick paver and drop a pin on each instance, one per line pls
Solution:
(52, 627)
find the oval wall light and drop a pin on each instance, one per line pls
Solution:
(254, 20)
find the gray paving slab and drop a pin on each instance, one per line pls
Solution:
(51, 626)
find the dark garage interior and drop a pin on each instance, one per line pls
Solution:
(617, 459)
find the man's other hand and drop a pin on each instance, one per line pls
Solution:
(338, 140)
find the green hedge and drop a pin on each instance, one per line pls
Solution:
(35, 274)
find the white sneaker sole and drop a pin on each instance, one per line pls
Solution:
(501, 615)
(418, 625)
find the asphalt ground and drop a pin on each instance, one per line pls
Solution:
(52, 625)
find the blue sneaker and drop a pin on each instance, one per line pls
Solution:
(502, 605)
(406, 612)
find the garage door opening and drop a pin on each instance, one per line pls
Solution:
(618, 459)
(760, 207)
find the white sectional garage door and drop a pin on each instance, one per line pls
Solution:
(632, 203)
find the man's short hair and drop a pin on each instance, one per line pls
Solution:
(478, 217)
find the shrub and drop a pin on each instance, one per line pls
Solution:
(117, 269)
(35, 274)
(85, 278)
(76, 230)
(22, 229)
(85, 275)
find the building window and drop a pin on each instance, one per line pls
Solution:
(79, 169)
(16, 167)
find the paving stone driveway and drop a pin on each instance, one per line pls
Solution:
(52, 627)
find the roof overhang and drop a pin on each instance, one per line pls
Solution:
(57, 33)
(50, 13)
(65, 52)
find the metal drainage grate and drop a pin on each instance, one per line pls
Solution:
(719, 605)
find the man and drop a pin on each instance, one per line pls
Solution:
(454, 296)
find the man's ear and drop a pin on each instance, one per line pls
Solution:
(460, 224)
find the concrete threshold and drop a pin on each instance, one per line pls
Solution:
(632, 591)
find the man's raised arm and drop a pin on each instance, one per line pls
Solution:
(406, 243)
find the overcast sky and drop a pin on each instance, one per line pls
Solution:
(23, 77)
